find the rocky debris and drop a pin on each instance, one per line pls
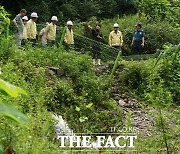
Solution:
(125, 101)
(122, 103)
(56, 70)
(100, 69)
(139, 118)
(52, 73)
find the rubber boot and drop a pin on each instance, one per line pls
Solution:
(94, 62)
(99, 61)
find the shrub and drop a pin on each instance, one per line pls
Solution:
(169, 71)
(159, 10)
(144, 80)
(157, 33)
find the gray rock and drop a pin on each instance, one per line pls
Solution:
(122, 103)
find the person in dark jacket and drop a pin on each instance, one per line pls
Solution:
(138, 39)
(97, 37)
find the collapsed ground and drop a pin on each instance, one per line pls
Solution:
(67, 84)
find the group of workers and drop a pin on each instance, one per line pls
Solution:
(26, 30)
(116, 40)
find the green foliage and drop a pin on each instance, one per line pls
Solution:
(77, 93)
(77, 85)
(4, 21)
(11, 90)
(7, 109)
(11, 112)
(155, 10)
(75, 9)
(38, 135)
(153, 84)
(7, 48)
(157, 34)
(169, 71)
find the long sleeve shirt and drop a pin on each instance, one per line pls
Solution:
(43, 36)
(24, 36)
(31, 29)
(50, 32)
(115, 39)
(95, 34)
(69, 37)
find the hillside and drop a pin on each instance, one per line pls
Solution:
(52, 95)
(76, 92)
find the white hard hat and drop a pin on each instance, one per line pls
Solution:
(54, 18)
(69, 23)
(116, 25)
(34, 15)
(25, 18)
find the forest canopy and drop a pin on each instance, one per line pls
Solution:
(74, 9)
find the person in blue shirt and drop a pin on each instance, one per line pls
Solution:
(138, 39)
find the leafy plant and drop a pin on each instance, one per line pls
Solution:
(7, 109)
(4, 21)
(155, 10)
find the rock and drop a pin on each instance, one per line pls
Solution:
(100, 69)
(57, 70)
(122, 103)
(49, 73)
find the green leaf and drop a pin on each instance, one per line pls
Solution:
(1, 152)
(77, 109)
(11, 112)
(3, 92)
(89, 105)
(82, 119)
(11, 89)
(7, 20)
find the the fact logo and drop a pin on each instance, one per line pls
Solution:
(107, 141)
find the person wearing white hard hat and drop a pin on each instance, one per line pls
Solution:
(69, 35)
(50, 31)
(32, 29)
(115, 37)
(19, 26)
(24, 36)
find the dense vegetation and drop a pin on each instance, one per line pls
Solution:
(157, 34)
(78, 94)
(81, 9)
(66, 83)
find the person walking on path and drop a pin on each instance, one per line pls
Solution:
(116, 38)
(24, 36)
(69, 36)
(43, 35)
(19, 26)
(138, 39)
(97, 36)
(32, 29)
(50, 31)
